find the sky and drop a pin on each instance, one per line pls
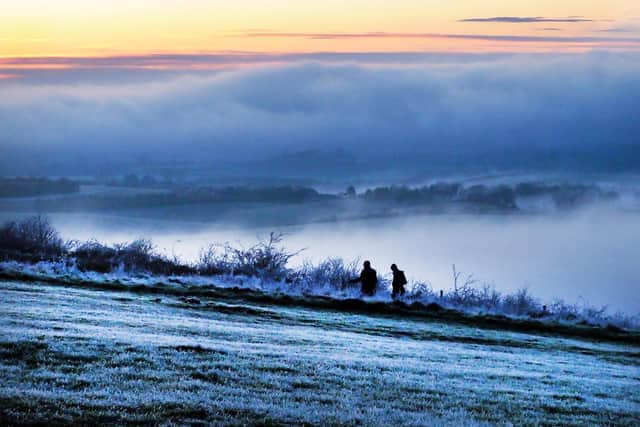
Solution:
(90, 81)
(40, 28)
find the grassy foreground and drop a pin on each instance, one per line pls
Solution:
(70, 355)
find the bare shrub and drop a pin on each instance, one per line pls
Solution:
(421, 290)
(464, 292)
(93, 256)
(266, 259)
(214, 260)
(593, 313)
(490, 298)
(32, 239)
(623, 320)
(332, 271)
(468, 294)
(136, 256)
(521, 303)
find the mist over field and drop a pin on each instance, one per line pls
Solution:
(584, 257)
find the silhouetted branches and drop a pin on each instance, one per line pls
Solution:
(264, 259)
(31, 239)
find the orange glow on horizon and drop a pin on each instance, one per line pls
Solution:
(91, 28)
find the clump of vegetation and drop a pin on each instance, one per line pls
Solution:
(468, 294)
(267, 259)
(137, 256)
(31, 239)
(332, 272)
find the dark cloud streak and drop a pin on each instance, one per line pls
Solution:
(528, 19)
(485, 37)
(96, 69)
(237, 58)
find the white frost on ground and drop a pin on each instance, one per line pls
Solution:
(86, 356)
(63, 271)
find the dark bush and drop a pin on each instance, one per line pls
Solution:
(333, 272)
(137, 256)
(31, 239)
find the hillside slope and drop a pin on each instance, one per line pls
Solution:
(74, 355)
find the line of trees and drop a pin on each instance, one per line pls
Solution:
(501, 196)
(183, 196)
(32, 186)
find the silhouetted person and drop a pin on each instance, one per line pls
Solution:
(399, 280)
(368, 278)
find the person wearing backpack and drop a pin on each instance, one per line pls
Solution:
(399, 280)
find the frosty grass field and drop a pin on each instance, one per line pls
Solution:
(72, 354)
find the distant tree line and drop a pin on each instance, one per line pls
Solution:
(29, 187)
(183, 196)
(566, 195)
(499, 196)
(134, 181)
(438, 196)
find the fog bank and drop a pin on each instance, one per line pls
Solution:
(575, 111)
(588, 256)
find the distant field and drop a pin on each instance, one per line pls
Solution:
(72, 355)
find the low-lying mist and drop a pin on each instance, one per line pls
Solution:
(585, 256)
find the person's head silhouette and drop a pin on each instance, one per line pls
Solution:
(394, 267)
(367, 265)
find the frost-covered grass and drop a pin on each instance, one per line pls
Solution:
(74, 355)
(328, 280)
